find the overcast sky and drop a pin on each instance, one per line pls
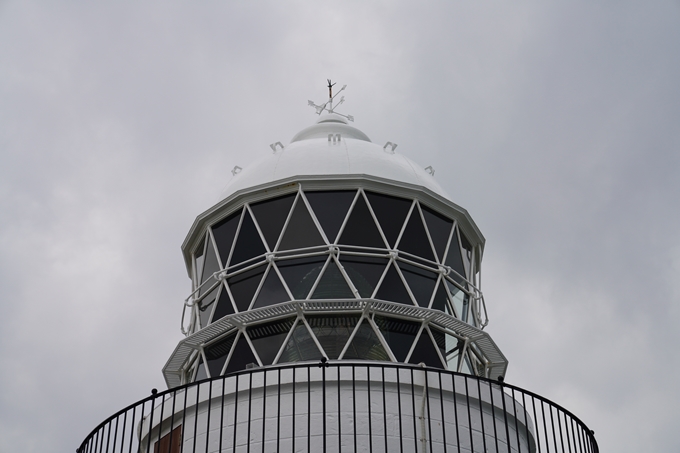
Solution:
(556, 124)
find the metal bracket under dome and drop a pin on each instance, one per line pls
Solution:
(274, 145)
(328, 105)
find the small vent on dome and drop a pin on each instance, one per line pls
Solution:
(392, 147)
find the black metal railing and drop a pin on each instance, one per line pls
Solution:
(342, 406)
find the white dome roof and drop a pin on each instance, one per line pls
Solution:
(311, 153)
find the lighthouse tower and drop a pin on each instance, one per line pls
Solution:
(336, 306)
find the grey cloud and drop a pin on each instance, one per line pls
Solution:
(554, 125)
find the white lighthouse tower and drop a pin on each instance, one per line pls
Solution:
(336, 306)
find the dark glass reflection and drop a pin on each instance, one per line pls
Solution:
(420, 281)
(460, 299)
(398, 334)
(440, 301)
(360, 228)
(301, 231)
(414, 240)
(224, 306)
(365, 345)
(467, 253)
(439, 228)
(224, 233)
(333, 331)
(466, 366)
(272, 291)
(267, 338)
(364, 272)
(454, 259)
(425, 352)
(332, 284)
(209, 268)
(205, 307)
(300, 346)
(243, 286)
(392, 289)
(449, 347)
(300, 274)
(216, 354)
(201, 373)
(199, 258)
(248, 243)
(330, 208)
(241, 356)
(390, 212)
(271, 215)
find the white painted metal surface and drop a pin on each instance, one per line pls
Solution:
(312, 153)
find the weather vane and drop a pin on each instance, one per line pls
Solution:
(328, 105)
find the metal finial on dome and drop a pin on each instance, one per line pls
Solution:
(328, 105)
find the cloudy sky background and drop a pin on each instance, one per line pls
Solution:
(556, 124)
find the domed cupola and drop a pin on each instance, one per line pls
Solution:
(333, 127)
(333, 247)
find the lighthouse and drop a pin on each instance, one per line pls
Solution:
(336, 305)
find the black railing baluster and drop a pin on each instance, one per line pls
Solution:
(538, 431)
(184, 414)
(233, 448)
(455, 411)
(514, 411)
(559, 429)
(545, 428)
(160, 425)
(264, 406)
(566, 432)
(207, 423)
(198, 392)
(115, 437)
(401, 440)
(469, 415)
(132, 428)
(122, 432)
(526, 423)
(384, 408)
(309, 411)
(278, 411)
(552, 425)
(441, 403)
(339, 412)
(221, 415)
(250, 408)
(97, 441)
(354, 405)
(293, 409)
(505, 417)
(481, 413)
(141, 422)
(370, 415)
(493, 415)
(426, 389)
(413, 411)
(323, 402)
(172, 422)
